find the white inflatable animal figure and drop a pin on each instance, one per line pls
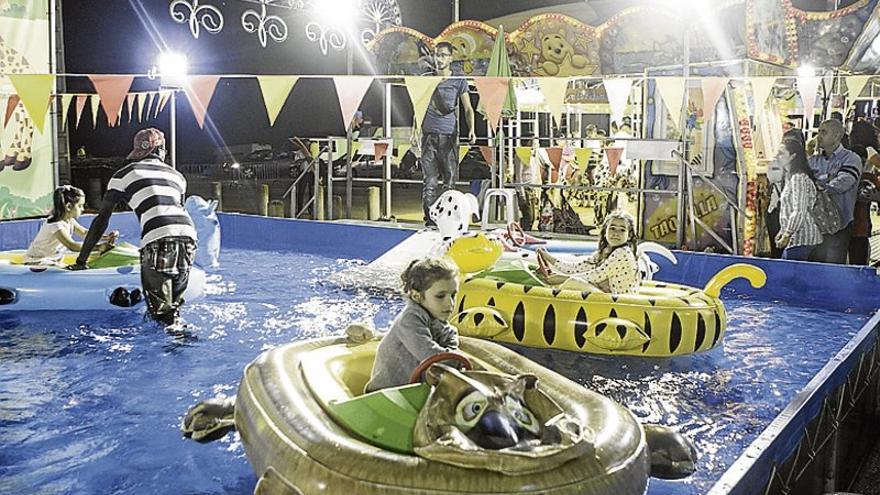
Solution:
(453, 212)
(647, 268)
(207, 226)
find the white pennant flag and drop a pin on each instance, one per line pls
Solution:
(618, 91)
(807, 87)
(855, 85)
(761, 88)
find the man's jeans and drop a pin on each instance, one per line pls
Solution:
(439, 163)
(834, 247)
(165, 266)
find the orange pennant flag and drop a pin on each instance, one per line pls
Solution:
(488, 153)
(613, 155)
(554, 153)
(713, 88)
(379, 150)
(81, 101)
(11, 103)
(351, 91)
(493, 92)
(199, 90)
(112, 90)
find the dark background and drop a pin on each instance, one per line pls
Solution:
(125, 37)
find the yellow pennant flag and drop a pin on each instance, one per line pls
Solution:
(65, 106)
(553, 89)
(96, 102)
(462, 151)
(671, 91)
(34, 91)
(582, 156)
(401, 151)
(275, 90)
(524, 153)
(854, 85)
(420, 90)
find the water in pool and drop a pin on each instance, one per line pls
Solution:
(91, 402)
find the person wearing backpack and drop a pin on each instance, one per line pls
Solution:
(798, 232)
(837, 171)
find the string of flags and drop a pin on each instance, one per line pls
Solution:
(113, 97)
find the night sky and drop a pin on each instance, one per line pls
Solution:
(125, 37)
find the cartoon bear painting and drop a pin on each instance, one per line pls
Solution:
(558, 56)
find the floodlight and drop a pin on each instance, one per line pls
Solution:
(172, 69)
(341, 13)
(806, 70)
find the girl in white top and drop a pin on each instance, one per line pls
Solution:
(56, 234)
(612, 268)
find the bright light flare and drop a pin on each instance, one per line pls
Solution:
(172, 68)
(340, 13)
(806, 70)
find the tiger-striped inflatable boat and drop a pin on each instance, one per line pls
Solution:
(661, 320)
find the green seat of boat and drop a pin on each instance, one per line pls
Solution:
(385, 418)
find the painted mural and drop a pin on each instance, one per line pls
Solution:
(26, 168)
(826, 38)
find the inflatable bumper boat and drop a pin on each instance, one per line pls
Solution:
(113, 281)
(301, 437)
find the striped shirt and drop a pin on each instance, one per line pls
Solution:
(797, 200)
(839, 174)
(155, 192)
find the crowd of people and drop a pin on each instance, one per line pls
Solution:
(821, 193)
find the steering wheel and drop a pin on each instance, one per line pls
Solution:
(516, 234)
(416, 376)
(543, 267)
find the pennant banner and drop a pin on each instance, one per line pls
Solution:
(379, 150)
(401, 151)
(420, 90)
(462, 152)
(199, 90)
(65, 107)
(613, 155)
(275, 91)
(524, 153)
(553, 89)
(618, 91)
(712, 88)
(807, 87)
(34, 91)
(554, 153)
(96, 102)
(582, 156)
(164, 96)
(112, 91)
(488, 153)
(493, 92)
(671, 91)
(81, 101)
(351, 90)
(11, 103)
(855, 85)
(131, 102)
(145, 106)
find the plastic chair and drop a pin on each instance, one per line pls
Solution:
(495, 202)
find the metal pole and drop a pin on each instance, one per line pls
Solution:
(455, 11)
(173, 129)
(386, 169)
(682, 169)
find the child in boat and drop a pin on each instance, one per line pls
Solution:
(421, 330)
(56, 234)
(612, 268)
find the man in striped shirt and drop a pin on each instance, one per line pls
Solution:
(155, 192)
(838, 171)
